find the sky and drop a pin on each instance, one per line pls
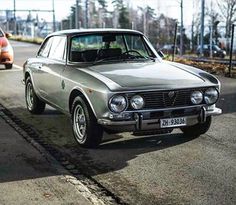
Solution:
(170, 8)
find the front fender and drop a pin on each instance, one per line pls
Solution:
(98, 101)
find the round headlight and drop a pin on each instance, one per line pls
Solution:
(137, 102)
(118, 103)
(196, 97)
(211, 96)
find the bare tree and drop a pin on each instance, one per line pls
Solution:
(228, 11)
(213, 23)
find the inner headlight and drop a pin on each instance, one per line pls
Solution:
(137, 102)
(118, 103)
(196, 97)
(211, 96)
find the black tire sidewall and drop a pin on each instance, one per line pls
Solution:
(38, 106)
(28, 80)
(94, 132)
(198, 129)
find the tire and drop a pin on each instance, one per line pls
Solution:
(33, 103)
(8, 66)
(86, 131)
(198, 129)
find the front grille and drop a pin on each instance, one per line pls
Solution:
(166, 99)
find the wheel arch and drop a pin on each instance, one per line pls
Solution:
(27, 74)
(76, 92)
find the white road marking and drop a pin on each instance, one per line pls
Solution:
(11, 70)
(16, 68)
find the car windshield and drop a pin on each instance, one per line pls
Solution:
(216, 48)
(109, 47)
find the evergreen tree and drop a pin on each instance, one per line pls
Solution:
(124, 21)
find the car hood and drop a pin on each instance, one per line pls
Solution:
(156, 75)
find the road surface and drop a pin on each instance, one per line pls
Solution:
(166, 169)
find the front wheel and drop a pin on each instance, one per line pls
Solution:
(86, 131)
(198, 129)
(33, 103)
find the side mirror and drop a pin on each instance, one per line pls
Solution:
(161, 54)
(8, 35)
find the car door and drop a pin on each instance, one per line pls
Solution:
(53, 67)
(38, 67)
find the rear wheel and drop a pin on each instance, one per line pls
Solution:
(85, 128)
(8, 66)
(33, 103)
(198, 129)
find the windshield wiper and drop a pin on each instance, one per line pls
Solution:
(138, 58)
(124, 58)
(106, 59)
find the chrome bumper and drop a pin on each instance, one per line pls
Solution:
(138, 123)
(216, 111)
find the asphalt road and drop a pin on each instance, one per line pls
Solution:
(166, 169)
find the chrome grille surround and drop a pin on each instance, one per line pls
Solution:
(167, 98)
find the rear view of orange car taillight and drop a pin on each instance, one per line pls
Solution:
(6, 52)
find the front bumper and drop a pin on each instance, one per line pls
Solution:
(138, 121)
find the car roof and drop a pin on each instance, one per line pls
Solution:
(72, 32)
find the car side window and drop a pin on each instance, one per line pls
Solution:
(44, 51)
(57, 50)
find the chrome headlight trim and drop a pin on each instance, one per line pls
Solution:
(137, 102)
(196, 97)
(118, 103)
(211, 96)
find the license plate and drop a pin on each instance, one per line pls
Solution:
(173, 122)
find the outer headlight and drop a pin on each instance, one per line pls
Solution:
(118, 103)
(211, 96)
(196, 97)
(137, 102)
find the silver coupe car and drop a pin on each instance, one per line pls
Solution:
(113, 80)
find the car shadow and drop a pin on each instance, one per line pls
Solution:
(116, 155)
(54, 129)
(156, 142)
(52, 112)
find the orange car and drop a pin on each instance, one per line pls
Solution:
(6, 51)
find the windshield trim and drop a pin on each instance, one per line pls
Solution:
(146, 46)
